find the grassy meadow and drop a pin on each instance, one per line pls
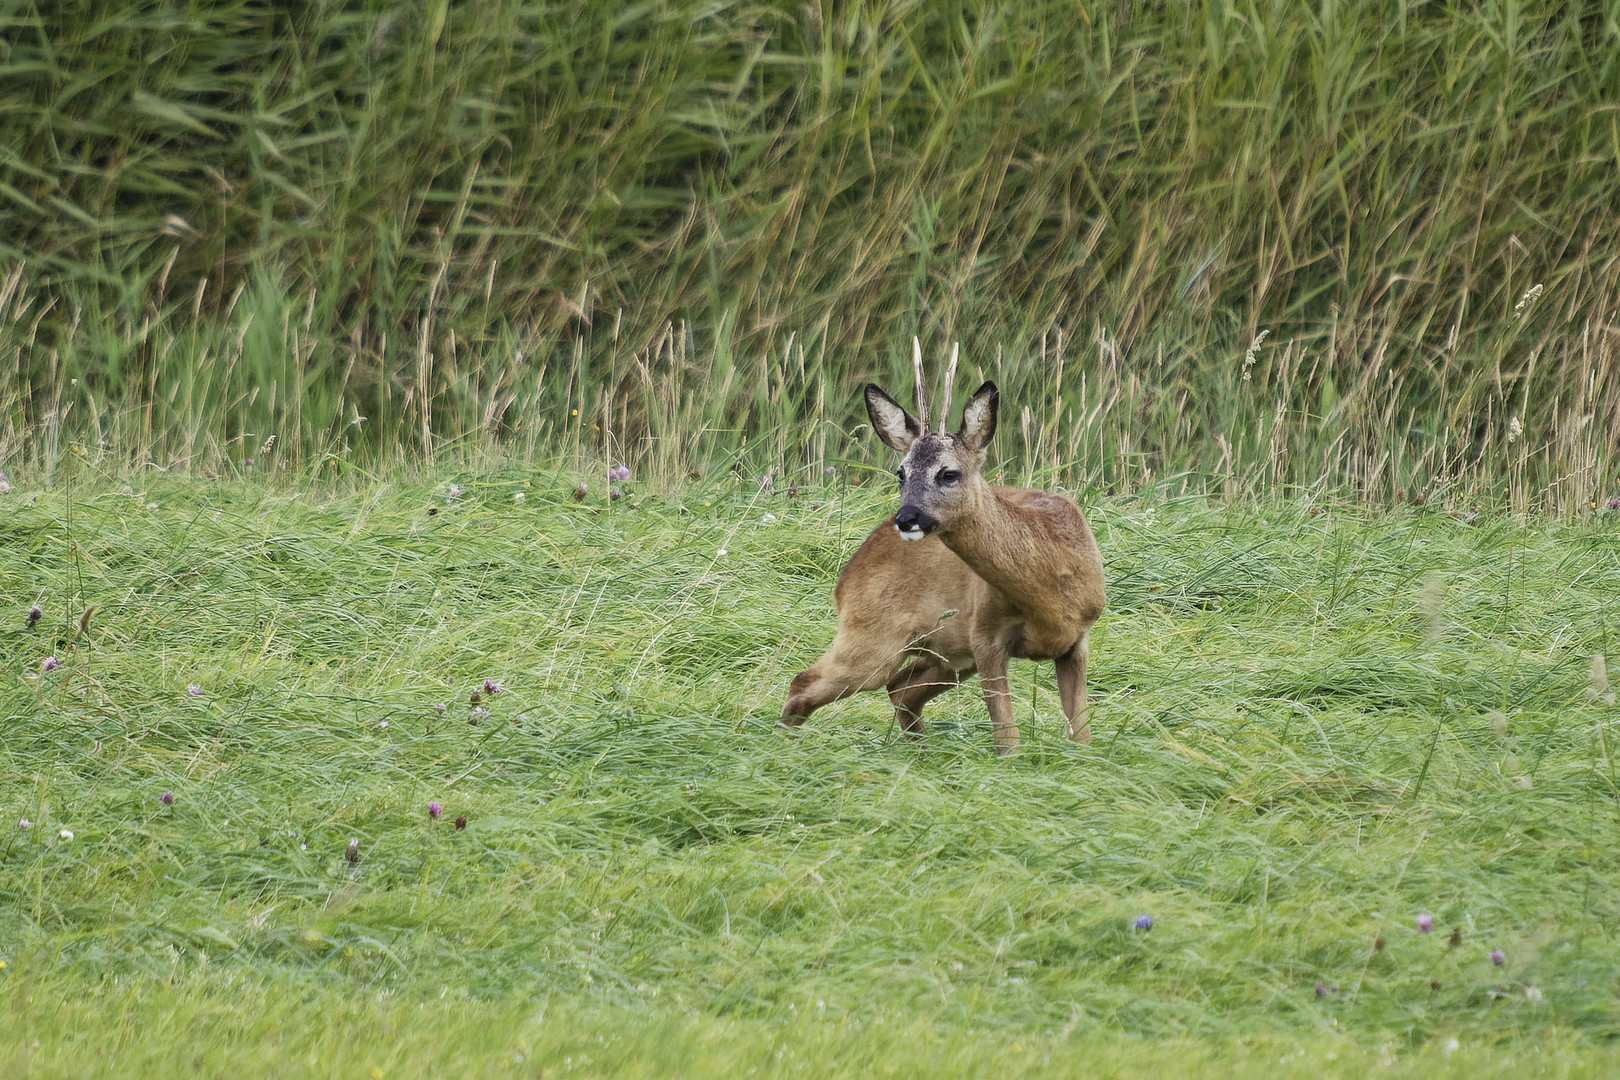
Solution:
(1315, 721)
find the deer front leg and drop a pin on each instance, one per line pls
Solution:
(1071, 680)
(992, 662)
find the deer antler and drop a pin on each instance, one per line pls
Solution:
(922, 393)
(950, 380)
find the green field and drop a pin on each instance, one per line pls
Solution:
(1315, 722)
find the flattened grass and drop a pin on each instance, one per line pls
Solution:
(1315, 722)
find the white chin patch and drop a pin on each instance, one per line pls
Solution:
(910, 534)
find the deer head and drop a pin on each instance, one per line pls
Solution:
(940, 470)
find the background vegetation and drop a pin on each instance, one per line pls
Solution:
(680, 235)
(1311, 729)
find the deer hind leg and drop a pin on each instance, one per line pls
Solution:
(924, 680)
(1071, 680)
(842, 670)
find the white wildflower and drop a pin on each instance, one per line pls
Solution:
(1526, 300)
(1254, 349)
(1514, 430)
(66, 834)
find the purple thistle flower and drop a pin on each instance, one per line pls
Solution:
(1614, 504)
(34, 615)
(352, 852)
(48, 664)
(194, 690)
(1425, 922)
(167, 798)
(435, 809)
(1143, 922)
(439, 705)
(1498, 957)
(492, 686)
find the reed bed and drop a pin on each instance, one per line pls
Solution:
(1371, 249)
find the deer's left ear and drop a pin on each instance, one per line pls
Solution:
(979, 417)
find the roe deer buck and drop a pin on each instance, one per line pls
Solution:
(962, 577)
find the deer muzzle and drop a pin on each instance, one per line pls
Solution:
(913, 524)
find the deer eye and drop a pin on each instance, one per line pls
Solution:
(948, 476)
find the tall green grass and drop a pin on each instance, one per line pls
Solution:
(683, 234)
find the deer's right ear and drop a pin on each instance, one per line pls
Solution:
(897, 428)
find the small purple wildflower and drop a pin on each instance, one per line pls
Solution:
(492, 686)
(619, 472)
(1425, 922)
(48, 664)
(1143, 922)
(194, 690)
(1614, 504)
(1324, 988)
(1498, 957)
(439, 705)
(34, 615)
(829, 470)
(435, 809)
(479, 713)
(167, 798)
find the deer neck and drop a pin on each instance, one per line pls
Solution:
(999, 544)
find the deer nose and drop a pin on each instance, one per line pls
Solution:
(913, 524)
